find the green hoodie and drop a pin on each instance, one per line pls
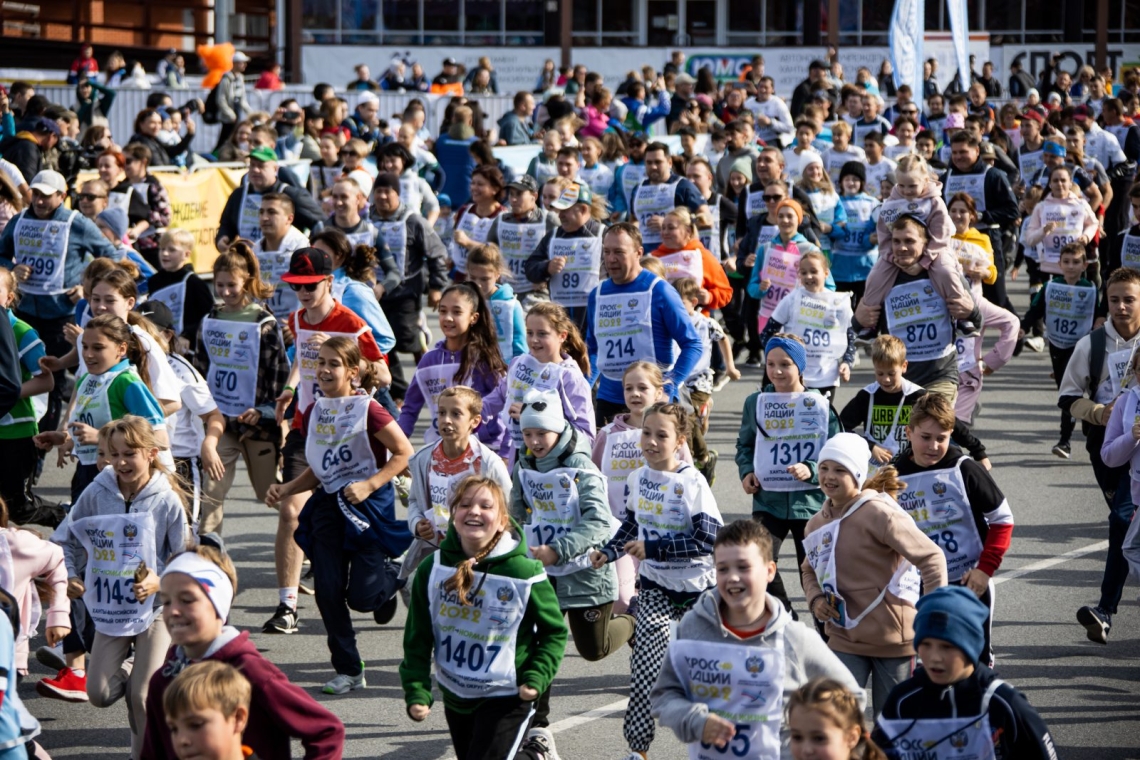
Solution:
(588, 587)
(785, 505)
(541, 636)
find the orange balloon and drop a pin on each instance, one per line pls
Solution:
(218, 59)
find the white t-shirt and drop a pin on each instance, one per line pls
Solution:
(185, 426)
(13, 172)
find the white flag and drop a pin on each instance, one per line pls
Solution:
(908, 25)
(960, 32)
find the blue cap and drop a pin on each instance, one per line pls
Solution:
(444, 199)
(953, 614)
(1055, 149)
(116, 221)
(793, 348)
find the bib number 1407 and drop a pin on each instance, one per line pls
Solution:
(470, 655)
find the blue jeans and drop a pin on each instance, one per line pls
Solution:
(1116, 485)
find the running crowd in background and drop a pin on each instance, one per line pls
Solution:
(589, 310)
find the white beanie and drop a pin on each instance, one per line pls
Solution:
(543, 410)
(849, 451)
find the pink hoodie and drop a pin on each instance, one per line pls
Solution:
(596, 122)
(970, 382)
(33, 557)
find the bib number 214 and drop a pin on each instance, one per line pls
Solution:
(619, 349)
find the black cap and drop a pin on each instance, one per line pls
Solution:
(854, 168)
(158, 313)
(818, 64)
(308, 265)
(523, 182)
(313, 111)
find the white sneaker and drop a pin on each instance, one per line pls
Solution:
(1036, 343)
(343, 684)
(541, 741)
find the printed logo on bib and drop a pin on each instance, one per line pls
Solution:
(938, 503)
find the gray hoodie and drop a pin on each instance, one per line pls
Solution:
(805, 657)
(103, 497)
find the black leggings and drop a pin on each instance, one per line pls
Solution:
(780, 529)
(492, 731)
(1060, 358)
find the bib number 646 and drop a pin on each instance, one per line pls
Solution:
(333, 457)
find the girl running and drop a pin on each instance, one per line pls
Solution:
(825, 720)
(348, 526)
(485, 268)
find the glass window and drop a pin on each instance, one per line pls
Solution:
(585, 16)
(318, 14)
(848, 22)
(1131, 25)
(526, 15)
(360, 21)
(484, 22)
(401, 15)
(1045, 14)
(876, 21)
(744, 16)
(785, 22)
(442, 15)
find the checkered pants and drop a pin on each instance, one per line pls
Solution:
(651, 641)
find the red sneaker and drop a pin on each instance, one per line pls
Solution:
(66, 686)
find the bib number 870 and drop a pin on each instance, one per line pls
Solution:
(469, 655)
(915, 333)
(738, 746)
(333, 457)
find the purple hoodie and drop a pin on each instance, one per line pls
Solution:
(577, 404)
(489, 432)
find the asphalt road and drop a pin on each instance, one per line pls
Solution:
(1088, 694)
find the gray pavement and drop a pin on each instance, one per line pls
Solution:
(1088, 694)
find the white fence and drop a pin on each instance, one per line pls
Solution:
(128, 103)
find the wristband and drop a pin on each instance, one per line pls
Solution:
(289, 388)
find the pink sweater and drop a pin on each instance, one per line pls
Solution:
(33, 557)
(596, 122)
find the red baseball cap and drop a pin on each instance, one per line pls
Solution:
(308, 265)
(1034, 115)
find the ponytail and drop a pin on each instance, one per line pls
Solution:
(482, 342)
(240, 261)
(359, 261)
(119, 331)
(885, 480)
(464, 578)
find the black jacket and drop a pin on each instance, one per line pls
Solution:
(25, 154)
(1020, 84)
(163, 155)
(11, 378)
(306, 212)
(1019, 733)
(1001, 204)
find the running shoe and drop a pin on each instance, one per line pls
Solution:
(284, 620)
(343, 684)
(1062, 449)
(386, 611)
(66, 686)
(540, 743)
(1096, 621)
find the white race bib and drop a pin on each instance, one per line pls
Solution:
(337, 447)
(235, 350)
(665, 504)
(653, 200)
(116, 545)
(552, 502)
(973, 185)
(41, 245)
(623, 324)
(1069, 312)
(174, 296)
(938, 502)
(434, 380)
(917, 315)
(581, 272)
(517, 242)
(790, 428)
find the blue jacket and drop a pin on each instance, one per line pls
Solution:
(518, 321)
(84, 240)
(456, 161)
(754, 289)
(361, 300)
(671, 324)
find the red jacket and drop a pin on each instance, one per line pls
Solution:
(278, 710)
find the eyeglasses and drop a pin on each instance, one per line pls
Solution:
(89, 196)
(308, 287)
(772, 198)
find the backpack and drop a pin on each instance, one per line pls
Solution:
(210, 110)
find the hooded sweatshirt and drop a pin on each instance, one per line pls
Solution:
(539, 644)
(938, 259)
(1018, 731)
(714, 280)
(806, 656)
(278, 709)
(103, 497)
(873, 542)
(592, 528)
(481, 379)
(510, 321)
(32, 557)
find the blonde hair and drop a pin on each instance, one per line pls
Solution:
(885, 480)
(653, 264)
(655, 375)
(832, 700)
(460, 583)
(138, 435)
(888, 351)
(469, 397)
(842, 128)
(682, 420)
(240, 261)
(911, 163)
(933, 406)
(210, 684)
(176, 236)
(685, 217)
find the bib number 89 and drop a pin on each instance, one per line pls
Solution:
(738, 746)
(571, 279)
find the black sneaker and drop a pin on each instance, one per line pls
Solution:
(386, 611)
(1062, 449)
(753, 360)
(284, 620)
(965, 327)
(1097, 623)
(1019, 346)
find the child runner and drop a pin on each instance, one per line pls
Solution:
(507, 312)
(954, 703)
(197, 591)
(700, 381)
(348, 526)
(842, 152)
(864, 589)
(617, 453)
(883, 407)
(558, 361)
(854, 245)
(916, 311)
(489, 689)
(438, 467)
(783, 427)
(738, 624)
(955, 502)
(1067, 304)
(109, 389)
(125, 527)
(824, 200)
(774, 273)
(825, 722)
(206, 713)
(822, 319)
(467, 355)
(19, 426)
(670, 522)
(177, 286)
(240, 353)
(113, 224)
(320, 318)
(558, 497)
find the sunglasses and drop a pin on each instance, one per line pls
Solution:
(308, 287)
(89, 196)
(772, 198)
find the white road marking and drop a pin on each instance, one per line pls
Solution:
(599, 712)
(1045, 564)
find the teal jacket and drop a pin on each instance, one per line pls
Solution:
(541, 638)
(786, 505)
(588, 587)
